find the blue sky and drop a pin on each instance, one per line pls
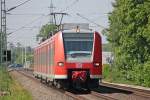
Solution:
(32, 16)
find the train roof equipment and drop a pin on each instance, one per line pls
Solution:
(75, 28)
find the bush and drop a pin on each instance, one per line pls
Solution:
(139, 74)
(146, 74)
(111, 73)
(106, 70)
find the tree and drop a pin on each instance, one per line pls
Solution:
(130, 34)
(20, 54)
(46, 31)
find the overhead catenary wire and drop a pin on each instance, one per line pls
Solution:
(69, 6)
(25, 28)
(26, 37)
(103, 28)
(34, 14)
(28, 14)
(73, 14)
(18, 5)
(90, 21)
(26, 25)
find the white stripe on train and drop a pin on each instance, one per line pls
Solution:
(62, 76)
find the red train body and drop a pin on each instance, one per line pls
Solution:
(69, 58)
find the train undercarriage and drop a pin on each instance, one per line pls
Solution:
(77, 79)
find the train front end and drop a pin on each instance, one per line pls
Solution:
(83, 58)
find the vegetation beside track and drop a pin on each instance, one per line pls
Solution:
(129, 35)
(140, 76)
(13, 90)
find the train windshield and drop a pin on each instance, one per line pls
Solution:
(78, 46)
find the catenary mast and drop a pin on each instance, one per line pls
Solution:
(3, 36)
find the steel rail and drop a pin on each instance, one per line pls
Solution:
(69, 94)
(136, 91)
(102, 96)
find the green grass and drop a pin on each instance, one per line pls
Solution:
(115, 76)
(5, 79)
(17, 92)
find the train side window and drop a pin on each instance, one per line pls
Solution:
(50, 56)
(39, 58)
(53, 53)
(46, 56)
(42, 58)
(36, 58)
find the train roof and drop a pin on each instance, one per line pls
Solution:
(45, 42)
(66, 31)
(78, 31)
(76, 28)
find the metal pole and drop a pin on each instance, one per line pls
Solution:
(22, 55)
(25, 57)
(51, 11)
(3, 42)
(3, 35)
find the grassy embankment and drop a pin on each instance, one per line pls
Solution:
(115, 76)
(7, 83)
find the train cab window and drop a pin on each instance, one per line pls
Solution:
(78, 47)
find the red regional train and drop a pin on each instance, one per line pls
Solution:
(70, 58)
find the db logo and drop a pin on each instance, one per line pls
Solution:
(79, 65)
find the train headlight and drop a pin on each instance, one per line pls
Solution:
(60, 64)
(96, 64)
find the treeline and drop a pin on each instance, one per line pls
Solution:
(21, 53)
(130, 37)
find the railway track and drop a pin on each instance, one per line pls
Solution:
(104, 92)
(134, 91)
(76, 95)
(102, 96)
(29, 75)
